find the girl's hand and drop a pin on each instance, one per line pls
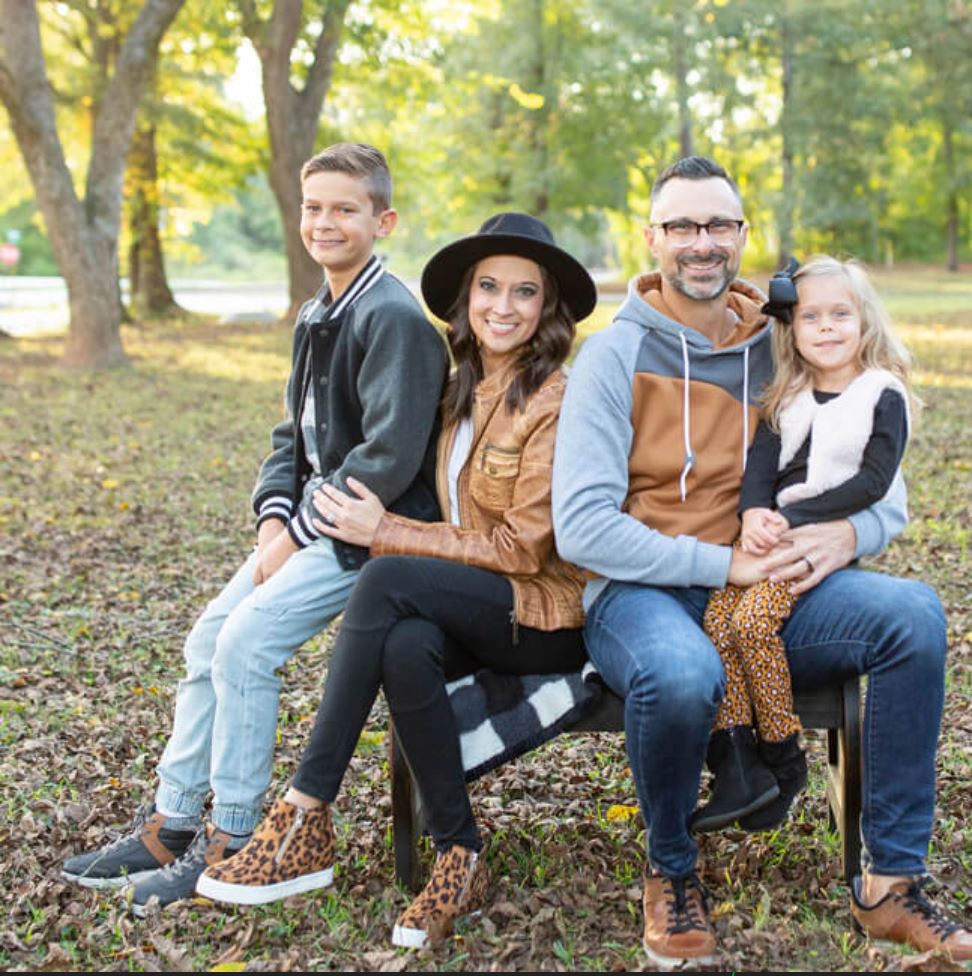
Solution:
(761, 530)
(349, 519)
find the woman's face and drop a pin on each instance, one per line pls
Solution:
(505, 302)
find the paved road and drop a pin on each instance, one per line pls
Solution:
(33, 306)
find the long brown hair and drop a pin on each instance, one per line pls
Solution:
(545, 352)
(879, 348)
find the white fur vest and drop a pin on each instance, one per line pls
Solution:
(839, 431)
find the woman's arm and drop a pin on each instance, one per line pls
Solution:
(521, 541)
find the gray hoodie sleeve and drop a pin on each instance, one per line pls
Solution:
(590, 479)
(876, 526)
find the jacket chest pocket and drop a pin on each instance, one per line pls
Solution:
(494, 477)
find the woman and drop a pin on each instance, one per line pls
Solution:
(483, 589)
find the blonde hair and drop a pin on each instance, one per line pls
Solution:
(879, 348)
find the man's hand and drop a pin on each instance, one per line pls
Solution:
(808, 554)
(746, 568)
(761, 530)
(273, 556)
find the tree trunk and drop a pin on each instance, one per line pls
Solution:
(537, 79)
(952, 218)
(150, 295)
(682, 88)
(292, 118)
(83, 235)
(786, 125)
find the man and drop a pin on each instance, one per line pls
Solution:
(653, 434)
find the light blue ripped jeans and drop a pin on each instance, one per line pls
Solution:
(225, 726)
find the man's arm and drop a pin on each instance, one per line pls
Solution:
(808, 554)
(590, 483)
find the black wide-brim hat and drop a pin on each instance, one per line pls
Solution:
(507, 233)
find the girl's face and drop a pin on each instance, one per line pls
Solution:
(505, 302)
(827, 331)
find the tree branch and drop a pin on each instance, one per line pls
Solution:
(325, 50)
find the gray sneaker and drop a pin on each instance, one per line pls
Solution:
(178, 880)
(144, 848)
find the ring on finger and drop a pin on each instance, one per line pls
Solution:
(806, 559)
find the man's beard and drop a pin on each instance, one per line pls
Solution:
(725, 274)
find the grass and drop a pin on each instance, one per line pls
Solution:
(124, 506)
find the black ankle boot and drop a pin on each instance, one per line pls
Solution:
(788, 763)
(743, 783)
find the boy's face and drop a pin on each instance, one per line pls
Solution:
(338, 224)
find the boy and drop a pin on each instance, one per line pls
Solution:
(362, 400)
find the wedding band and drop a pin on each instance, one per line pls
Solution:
(806, 559)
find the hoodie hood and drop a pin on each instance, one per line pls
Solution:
(707, 391)
(645, 305)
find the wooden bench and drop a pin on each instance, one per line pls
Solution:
(836, 709)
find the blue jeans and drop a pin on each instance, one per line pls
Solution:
(648, 644)
(225, 724)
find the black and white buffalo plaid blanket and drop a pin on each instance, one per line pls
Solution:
(500, 716)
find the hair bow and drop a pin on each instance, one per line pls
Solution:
(782, 293)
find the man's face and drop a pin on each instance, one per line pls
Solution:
(700, 269)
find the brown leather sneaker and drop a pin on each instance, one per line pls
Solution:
(291, 851)
(904, 916)
(457, 887)
(677, 927)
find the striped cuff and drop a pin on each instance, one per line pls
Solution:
(275, 506)
(301, 530)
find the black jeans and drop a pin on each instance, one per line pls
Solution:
(412, 624)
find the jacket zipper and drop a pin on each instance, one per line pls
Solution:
(513, 621)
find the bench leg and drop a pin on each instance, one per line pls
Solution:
(406, 816)
(844, 777)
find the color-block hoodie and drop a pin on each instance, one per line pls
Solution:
(652, 443)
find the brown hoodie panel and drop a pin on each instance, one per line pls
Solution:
(658, 456)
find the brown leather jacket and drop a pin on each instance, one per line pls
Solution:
(504, 506)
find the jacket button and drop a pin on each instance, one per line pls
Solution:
(492, 470)
(323, 381)
(323, 426)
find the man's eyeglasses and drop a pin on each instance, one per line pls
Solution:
(681, 233)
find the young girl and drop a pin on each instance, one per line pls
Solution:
(836, 419)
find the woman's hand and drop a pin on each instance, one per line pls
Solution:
(349, 519)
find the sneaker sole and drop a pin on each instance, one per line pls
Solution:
(119, 881)
(237, 894)
(676, 962)
(406, 938)
(707, 824)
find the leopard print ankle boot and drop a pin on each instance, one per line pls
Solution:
(457, 887)
(293, 850)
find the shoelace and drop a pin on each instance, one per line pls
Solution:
(195, 853)
(138, 822)
(685, 914)
(937, 920)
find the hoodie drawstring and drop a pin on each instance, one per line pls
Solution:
(745, 407)
(686, 428)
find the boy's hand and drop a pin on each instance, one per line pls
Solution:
(761, 530)
(352, 520)
(268, 531)
(271, 558)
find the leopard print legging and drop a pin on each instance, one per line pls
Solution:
(744, 625)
